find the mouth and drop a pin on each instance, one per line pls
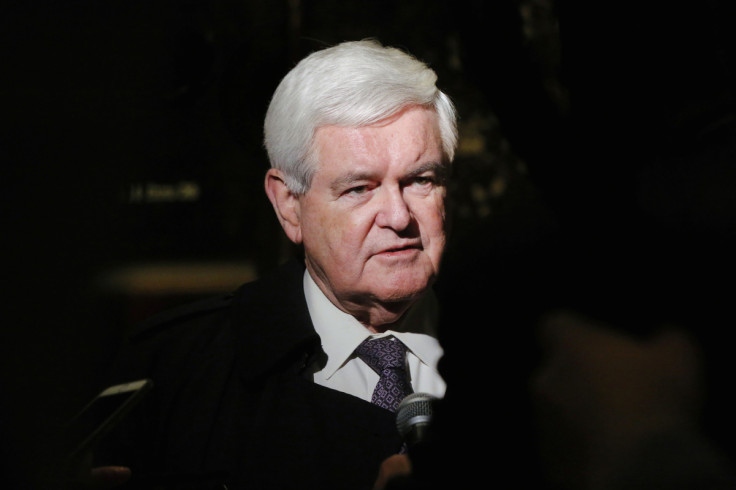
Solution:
(400, 251)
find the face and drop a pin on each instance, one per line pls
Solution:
(373, 221)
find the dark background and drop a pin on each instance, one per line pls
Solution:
(132, 161)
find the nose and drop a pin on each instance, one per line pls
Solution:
(393, 211)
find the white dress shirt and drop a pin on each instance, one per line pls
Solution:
(340, 333)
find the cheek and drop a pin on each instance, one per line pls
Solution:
(349, 233)
(314, 227)
(338, 233)
(434, 217)
(434, 228)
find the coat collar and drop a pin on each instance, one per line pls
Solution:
(272, 326)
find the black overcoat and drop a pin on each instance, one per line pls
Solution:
(233, 405)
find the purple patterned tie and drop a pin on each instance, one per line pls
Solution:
(387, 357)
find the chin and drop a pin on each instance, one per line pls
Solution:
(404, 289)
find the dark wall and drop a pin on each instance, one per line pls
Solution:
(132, 133)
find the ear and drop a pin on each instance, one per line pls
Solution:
(285, 203)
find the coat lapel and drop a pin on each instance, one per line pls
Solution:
(286, 423)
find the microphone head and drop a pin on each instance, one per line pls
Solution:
(414, 414)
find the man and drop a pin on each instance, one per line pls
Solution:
(262, 388)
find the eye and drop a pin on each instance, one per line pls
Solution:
(357, 190)
(361, 190)
(423, 181)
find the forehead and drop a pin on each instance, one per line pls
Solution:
(411, 136)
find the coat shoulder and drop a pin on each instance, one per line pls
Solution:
(193, 312)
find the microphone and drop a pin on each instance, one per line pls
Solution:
(413, 417)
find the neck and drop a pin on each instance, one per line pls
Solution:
(380, 323)
(376, 317)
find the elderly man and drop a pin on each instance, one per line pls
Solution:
(275, 385)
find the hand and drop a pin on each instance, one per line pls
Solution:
(392, 467)
(100, 478)
(105, 477)
(600, 392)
(86, 477)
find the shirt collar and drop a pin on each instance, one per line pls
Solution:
(340, 333)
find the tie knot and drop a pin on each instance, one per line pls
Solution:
(383, 353)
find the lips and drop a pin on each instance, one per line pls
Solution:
(400, 248)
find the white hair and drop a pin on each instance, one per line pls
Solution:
(352, 84)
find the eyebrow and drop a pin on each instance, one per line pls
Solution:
(439, 169)
(349, 179)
